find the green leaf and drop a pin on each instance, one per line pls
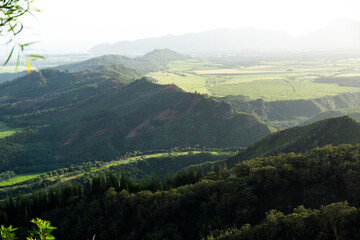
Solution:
(35, 56)
(7, 60)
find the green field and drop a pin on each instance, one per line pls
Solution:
(5, 131)
(20, 178)
(8, 184)
(268, 80)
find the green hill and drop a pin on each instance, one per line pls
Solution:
(75, 117)
(284, 114)
(332, 131)
(150, 62)
(353, 112)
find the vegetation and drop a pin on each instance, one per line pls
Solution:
(10, 25)
(41, 231)
(284, 114)
(281, 92)
(137, 166)
(266, 80)
(150, 62)
(70, 118)
(298, 195)
(302, 139)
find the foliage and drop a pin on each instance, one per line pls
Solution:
(333, 131)
(70, 118)
(10, 25)
(305, 196)
(7, 233)
(332, 221)
(6, 175)
(41, 231)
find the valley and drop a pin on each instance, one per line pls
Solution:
(179, 120)
(162, 139)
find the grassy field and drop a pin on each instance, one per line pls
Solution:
(157, 155)
(20, 178)
(8, 184)
(269, 80)
(5, 131)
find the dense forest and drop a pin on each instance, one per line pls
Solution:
(306, 196)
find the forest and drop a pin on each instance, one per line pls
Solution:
(306, 196)
(244, 133)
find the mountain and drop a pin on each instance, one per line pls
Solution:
(332, 131)
(70, 118)
(341, 34)
(152, 61)
(209, 41)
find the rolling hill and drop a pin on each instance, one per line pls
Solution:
(152, 61)
(332, 131)
(70, 118)
(288, 113)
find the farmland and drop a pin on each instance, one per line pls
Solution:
(267, 80)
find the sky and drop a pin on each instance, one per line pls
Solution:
(74, 26)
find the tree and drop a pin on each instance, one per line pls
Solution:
(11, 11)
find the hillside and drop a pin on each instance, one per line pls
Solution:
(152, 61)
(290, 196)
(283, 114)
(353, 112)
(75, 117)
(332, 131)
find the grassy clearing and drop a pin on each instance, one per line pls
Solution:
(158, 155)
(187, 81)
(20, 178)
(5, 131)
(270, 80)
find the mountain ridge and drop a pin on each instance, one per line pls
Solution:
(70, 118)
(300, 139)
(330, 37)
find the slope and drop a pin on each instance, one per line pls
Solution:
(324, 176)
(353, 112)
(283, 114)
(332, 131)
(152, 61)
(69, 119)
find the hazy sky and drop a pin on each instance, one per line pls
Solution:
(77, 25)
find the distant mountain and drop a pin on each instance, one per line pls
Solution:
(152, 61)
(75, 117)
(209, 41)
(10, 76)
(341, 34)
(332, 131)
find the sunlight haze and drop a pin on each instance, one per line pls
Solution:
(76, 26)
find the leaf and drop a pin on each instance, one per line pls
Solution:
(7, 60)
(36, 56)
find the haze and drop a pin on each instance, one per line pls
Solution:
(76, 26)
